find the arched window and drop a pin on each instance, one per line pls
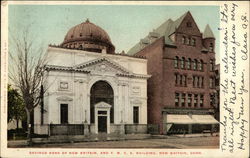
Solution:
(195, 64)
(211, 47)
(183, 40)
(182, 63)
(80, 47)
(189, 63)
(201, 65)
(211, 65)
(176, 62)
(201, 100)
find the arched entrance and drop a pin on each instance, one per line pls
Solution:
(101, 91)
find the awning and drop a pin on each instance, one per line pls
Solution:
(190, 119)
(179, 119)
(204, 119)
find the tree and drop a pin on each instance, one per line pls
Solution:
(27, 72)
(15, 106)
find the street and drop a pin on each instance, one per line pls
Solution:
(171, 143)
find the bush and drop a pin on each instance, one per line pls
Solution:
(19, 134)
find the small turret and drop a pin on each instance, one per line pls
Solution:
(208, 39)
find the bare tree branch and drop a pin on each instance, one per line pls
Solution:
(27, 70)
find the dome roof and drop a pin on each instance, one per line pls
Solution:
(88, 36)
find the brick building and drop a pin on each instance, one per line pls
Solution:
(181, 60)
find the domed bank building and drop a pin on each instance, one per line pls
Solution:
(90, 89)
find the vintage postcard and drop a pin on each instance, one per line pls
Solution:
(124, 79)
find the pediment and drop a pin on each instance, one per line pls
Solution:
(102, 105)
(102, 65)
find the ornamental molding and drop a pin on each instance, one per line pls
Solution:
(102, 105)
(136, 102)
(64, 98)
(102, 66)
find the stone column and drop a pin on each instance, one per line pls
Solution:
(96, 121)
(126, 104)
(108, 121)
(189, 128)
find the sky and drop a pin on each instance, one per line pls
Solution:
(125, 24)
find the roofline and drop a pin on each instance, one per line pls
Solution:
(56, 47)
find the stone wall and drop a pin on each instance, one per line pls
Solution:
(136, 129)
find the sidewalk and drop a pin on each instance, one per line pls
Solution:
(77, 139)
(17, 143)
(184, 136)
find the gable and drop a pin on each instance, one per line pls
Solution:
(102, 66)
(188, 26)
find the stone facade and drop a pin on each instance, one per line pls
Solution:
(95, 91)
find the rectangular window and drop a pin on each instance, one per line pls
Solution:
(180, 79)
(183, 99)
(136, 114)
(211, 65)
(189, 64)
(182, 63)
(202, 82)
(176, 99)
(64, 113)
(195, 64)
(201, 100)
(176, 62)
(102, 112)
(211, 99)
(198, 81)
(176, 79)
(185, 80)
(211, 82)
(189, 100)
(193, 80)
(195, 100)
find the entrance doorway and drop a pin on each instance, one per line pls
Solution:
(102, 124)
(102, 118)
(101, 91)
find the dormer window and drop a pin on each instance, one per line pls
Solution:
(183, 40)
(193, 42)
(187, 41)
(189, 24)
